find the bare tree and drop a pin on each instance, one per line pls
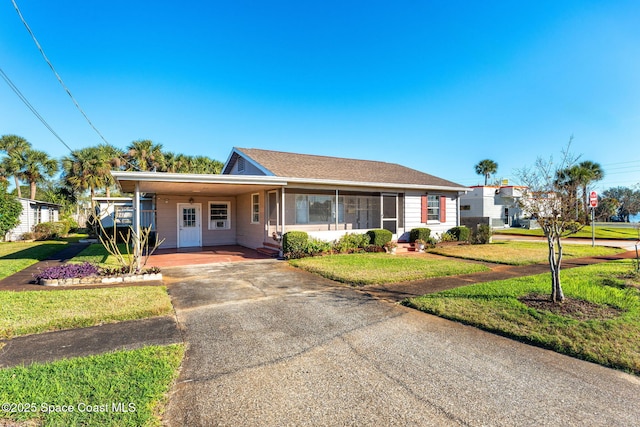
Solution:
(552, 204)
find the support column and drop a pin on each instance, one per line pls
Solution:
(137, 247)
(282, 226)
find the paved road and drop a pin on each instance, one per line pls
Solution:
(270, 345)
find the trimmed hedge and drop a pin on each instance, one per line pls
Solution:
(460, 233)
(379, 237)
(294, 242)
(421, 233)
(50, 230)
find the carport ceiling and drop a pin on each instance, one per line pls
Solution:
(190, 184)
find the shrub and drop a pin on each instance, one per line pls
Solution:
(68, 271)
(70, 224)
(317, 246)
(481, 235)
(10, 209)
(379, 237)
(294, 242)
(28, 236)
(351, 242)
(421, 233)
(50, 230)
(460, 233)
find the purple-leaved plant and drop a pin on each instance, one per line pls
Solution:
(68, 271)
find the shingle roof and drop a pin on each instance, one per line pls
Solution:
(293, 165)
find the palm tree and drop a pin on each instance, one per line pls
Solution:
(145, 155)
(486, 167)
(113, 158)
(87, 169)
(13, 145)
(36, 167)
(591, 172)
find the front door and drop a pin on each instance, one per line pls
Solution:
(189, 225)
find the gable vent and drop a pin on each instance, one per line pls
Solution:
(240, 164)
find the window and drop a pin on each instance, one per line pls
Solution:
(433, 208)
(318, 209)
(255, 208)
(465, 207)
(219, 216)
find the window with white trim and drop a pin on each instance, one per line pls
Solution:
(255, 208)
(433, 208)
(219, 215)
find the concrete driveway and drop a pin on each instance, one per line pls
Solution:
(270, 345)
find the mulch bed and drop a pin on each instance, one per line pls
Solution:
(571, 307)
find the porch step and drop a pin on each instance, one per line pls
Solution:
(273, 245)
(273, 253)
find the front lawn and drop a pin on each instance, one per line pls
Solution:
(32, 312)
(16, 256)
(124, 388)
(378, 268)
(599, 322)
(97, 254)
(520, 253)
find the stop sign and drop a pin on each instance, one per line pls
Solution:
(593, 199)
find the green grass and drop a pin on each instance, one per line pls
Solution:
(32, 312)
(495, 307)
(520, 253)
(16, 256)
(137, 380)
(377, 268)
(602, 232)
(97, 254)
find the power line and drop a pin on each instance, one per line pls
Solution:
(31, 107)
(55, 72)
(35, 40)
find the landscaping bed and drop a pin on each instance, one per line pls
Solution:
(88, 273)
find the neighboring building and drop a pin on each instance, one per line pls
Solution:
(119, 210)
(497, 206)
(33, 212)
(261, 194)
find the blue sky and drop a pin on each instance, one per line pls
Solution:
(436, 86)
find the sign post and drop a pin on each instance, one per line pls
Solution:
(593, 203)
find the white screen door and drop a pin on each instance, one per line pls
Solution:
(189, 225)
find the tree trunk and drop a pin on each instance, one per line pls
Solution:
(555, 259)
(32, 188)
(15, 178)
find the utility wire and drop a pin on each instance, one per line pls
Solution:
(35, 40)
(31, 107)
(15, 5)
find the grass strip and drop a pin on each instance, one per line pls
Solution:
(378, 268)
(601, 232)
(123, 388)
(31, 312)
(495, 307)
(520, 253)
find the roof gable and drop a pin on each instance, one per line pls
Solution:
(305, 166)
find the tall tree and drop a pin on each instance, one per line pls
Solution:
(627, 201)
(36, 167)
(591, 172)
(552, 204)
(145, 155)
(13, 146)
(87, 169)
(486, 168)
